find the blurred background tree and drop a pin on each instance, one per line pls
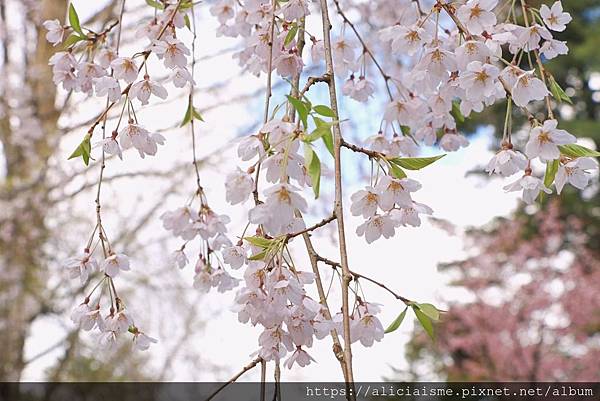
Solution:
(530, 308)
(42, 219)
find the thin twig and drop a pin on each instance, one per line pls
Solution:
(246, 368)
(356, 275)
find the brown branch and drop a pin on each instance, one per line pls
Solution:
(371, 153)
(307, 230)
(356, 275)
(338, 206)
(246, 368)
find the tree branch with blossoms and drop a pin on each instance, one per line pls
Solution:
(447, 60)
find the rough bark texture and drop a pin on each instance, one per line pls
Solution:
(22, 281)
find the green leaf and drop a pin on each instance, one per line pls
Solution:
(258, 256)
(190, 113)
(261, 242)
(431, 311)
(155, 4)
(186, 19)
(324, 110)
(197, 115)
(319, 132)
(71, 40)
(414, 163)
(314, 168)
(425, 321)
(301, 108)
(551, 169)
(397, 172)
(397, 322)
(456, 113)
(83, 150)
(574, 150)
(291, 34)
(557, 92)
(74, 20)
(328, 141)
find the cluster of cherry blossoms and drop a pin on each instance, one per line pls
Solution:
(209, 229)
(274, 297)
(89, 316)
(442, 61)
(92, 65)
(100, 71)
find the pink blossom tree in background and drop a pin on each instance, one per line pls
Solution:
(423, 65)
(532, 313)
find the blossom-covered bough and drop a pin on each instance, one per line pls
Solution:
(434, 62)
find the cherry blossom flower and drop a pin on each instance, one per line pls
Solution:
(81, 266)
(364, 202)
(375, 227)
(471, 50)
(106, 56)
(554, 17)
(401, 145)
(553, 48)
(119, 323)
(250, 147)
(142, 342)
(179, 258)
(479, 80)
(143, 89)
(173, 51)
(410, 215)
(378, 143)
(108, 86)
(451, 142)
(110, 146)
(223, 10)
(282, 200)
(56, 31)
(530, 37)
(108, 340)
(133, 135)
(295, 9)
(300, 357)
(360, 91)
(477, 15)
(125, 68)
(393, 191)
(239, 186)
(203, 281)
(527, 88)
(288, 63)
(575, 173)
(86, 74)
(405, 40)
(114, 264)
(63, 61)
(86, 318)
(531, 187)
(234, 256)
(180, 222)
(506, 163)
(367, 328)
(181, 77)
(223, 281)
(544, 140)
(437, 62)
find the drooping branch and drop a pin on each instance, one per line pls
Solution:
(338, 203)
